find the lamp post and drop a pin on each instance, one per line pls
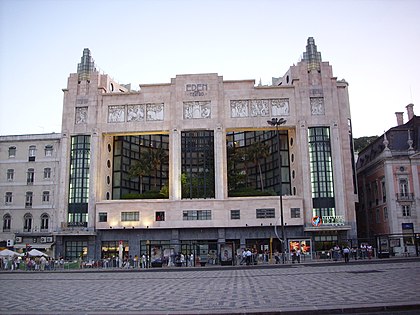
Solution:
(277, 122)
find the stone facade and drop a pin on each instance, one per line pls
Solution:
(98, 112)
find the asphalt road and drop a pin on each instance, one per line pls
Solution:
(382, 287)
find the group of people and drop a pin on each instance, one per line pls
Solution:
(364, 252)
(28, 263)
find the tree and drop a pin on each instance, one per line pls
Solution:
(158, 156)
(363, 142)
(141, 168)
(255, 152)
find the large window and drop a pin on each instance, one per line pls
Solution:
(45, 196)
(406, 210)
(253, 163)
(141, 166)
(79, 180)
(197, 154)
(48, 150)
(320, 160)
(110, 249)
(76, 250)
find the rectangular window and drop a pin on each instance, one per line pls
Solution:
(47, 173)
(32, 152)
(10, 175)
(12, 152)
(406, 211)
(160, 215)
(295, 213)
(28, 199)
(385, 213)
(48, 150)
(197, 164)
(383, 188)
(103, 216)
(267, 213)
(8, 198)
(46, 196)
(76, 250)
(197, 215)
(30, 175)
(235, 214)
(130, 216)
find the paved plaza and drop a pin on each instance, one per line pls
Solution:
(276, 289)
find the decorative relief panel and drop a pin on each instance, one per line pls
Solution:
(317, 106)
(81, 115)
(154, 111)
(280, 107)
(135, 112)
(239, 108)
(197, 109)
(116, 113)
(259, 108)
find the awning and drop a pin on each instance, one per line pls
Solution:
(34, 245)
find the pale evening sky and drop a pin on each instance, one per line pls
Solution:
(373, 45)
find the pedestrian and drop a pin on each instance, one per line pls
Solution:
(248, 257)
(336, 252)
(369, 250)
(346, 253)
(363, 250)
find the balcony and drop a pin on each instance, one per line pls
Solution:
(405, 197)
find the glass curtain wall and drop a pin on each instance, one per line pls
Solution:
(79, 181)
(321, 171)
(253, 163)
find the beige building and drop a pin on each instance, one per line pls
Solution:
(193, 165)
(29, 168)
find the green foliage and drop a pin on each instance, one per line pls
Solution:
(363, 142)
(152, 194)
(250, 192)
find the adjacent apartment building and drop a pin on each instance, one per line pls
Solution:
(388, 172)
(197, 165)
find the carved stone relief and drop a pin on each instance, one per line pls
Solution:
(280, 107)
(239, 108)
(116, 113)
(259, 108)
(81, 115)
(197, 109)
(154, 111)
(317, 106)
(135, 113)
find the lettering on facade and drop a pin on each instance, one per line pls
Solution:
(196, 89)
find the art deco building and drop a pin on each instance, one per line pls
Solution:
(388, 172)
(193, 166)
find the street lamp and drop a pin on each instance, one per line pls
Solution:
(277, 122)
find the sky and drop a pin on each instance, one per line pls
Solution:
(373, 45)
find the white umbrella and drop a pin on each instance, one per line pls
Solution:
(8, 253)
(35, 252)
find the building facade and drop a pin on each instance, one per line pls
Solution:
(29, 168)
(193, 165)
(388, 172)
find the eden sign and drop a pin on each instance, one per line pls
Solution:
(196, 89)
